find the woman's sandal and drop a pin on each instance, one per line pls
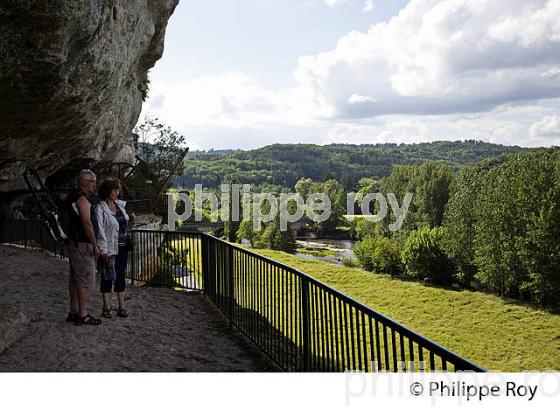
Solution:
(87, 320)
(107, 314)
(121, 313)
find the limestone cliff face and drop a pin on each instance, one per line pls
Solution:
(71, 73)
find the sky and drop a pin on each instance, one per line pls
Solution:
(242, 74)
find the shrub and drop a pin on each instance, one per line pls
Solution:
(272, 237)
(284, 241)
(380, 254)
(424, 257)
(169, 258)
(364, 250)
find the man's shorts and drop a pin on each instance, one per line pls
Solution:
(82, 265)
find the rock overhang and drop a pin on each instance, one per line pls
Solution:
(71, 74)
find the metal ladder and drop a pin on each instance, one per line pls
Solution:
(47, 208)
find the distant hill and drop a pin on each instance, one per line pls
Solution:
(285, 164)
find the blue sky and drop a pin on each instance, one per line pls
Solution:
(247, 73)
(262, 38)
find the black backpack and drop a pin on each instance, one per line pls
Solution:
(75, 228)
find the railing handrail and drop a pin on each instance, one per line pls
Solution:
(135, 201)
(418, 338)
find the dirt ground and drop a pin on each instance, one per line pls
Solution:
(166, 331)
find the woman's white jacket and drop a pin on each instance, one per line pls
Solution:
(108, 232)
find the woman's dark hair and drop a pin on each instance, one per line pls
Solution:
(107, 186)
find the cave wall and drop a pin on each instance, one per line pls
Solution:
(71, 73)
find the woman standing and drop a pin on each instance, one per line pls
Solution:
(112, 241)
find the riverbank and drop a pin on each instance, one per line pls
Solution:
(326, 250)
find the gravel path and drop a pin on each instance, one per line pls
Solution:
(166, 330)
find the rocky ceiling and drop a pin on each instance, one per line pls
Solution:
(71, 74)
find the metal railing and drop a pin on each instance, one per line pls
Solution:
(168, 259)
(300, 322)
(29, 233)
(305, 325)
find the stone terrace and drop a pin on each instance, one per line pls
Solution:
(166, 330)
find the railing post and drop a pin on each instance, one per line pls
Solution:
(213, 270)
(41, 236)
(205, 268)
(133, 241)
(306, 331)
(231, 288)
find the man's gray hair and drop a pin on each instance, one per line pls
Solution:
(86, 175)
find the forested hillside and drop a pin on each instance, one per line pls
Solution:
(285, 164)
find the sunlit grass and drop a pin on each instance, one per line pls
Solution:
(487, 330)
(318, 252)
(492, 332)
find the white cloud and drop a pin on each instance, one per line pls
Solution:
(454, 69)
(357, 98)
(440, 57)
(416, 129)
(368, 6)
(227, 99)
(548, 127)
(334, 3)
(230, 110)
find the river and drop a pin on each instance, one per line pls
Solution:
(336, 249)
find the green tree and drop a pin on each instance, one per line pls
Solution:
(424, 257)
(429, 183)
(304, 187)
(337, 196)
(246, 231)
(515, 243)
(432, 192)
(231, 227)
(363, 227)
(369, 186)
(284, 240)
(159, 148)
(380, 254)
(460, 223)
(541, 251)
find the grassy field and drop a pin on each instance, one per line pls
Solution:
(317, 252)
(494, 333)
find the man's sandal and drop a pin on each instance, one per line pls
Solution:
(107, 314)
(87, 320)
(122, 313)
(72, 317)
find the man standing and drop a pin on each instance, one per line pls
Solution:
(82, 249)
